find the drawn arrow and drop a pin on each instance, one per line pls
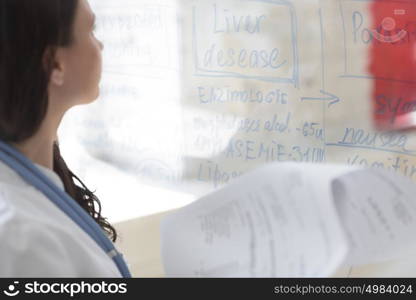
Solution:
(330, 97)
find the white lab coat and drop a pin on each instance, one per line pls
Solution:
(37, 239)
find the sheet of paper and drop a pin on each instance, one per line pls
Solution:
(378, 210)
(278, 221)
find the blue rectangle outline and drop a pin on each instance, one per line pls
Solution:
(346, 74)
(295, 78)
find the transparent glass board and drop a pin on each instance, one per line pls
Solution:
(195, 93)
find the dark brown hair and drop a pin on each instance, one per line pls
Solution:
(28, 30)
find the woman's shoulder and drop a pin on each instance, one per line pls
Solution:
(35, 232)
(21, 199)
(32, 247)
(22, 205)
(39, 240)
(9, 176)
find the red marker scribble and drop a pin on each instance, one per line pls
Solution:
(393, 63)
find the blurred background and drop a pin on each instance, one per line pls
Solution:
(195, 93)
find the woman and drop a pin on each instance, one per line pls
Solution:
(50, 61)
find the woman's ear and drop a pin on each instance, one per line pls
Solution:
(57, 77)
(52, 61)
